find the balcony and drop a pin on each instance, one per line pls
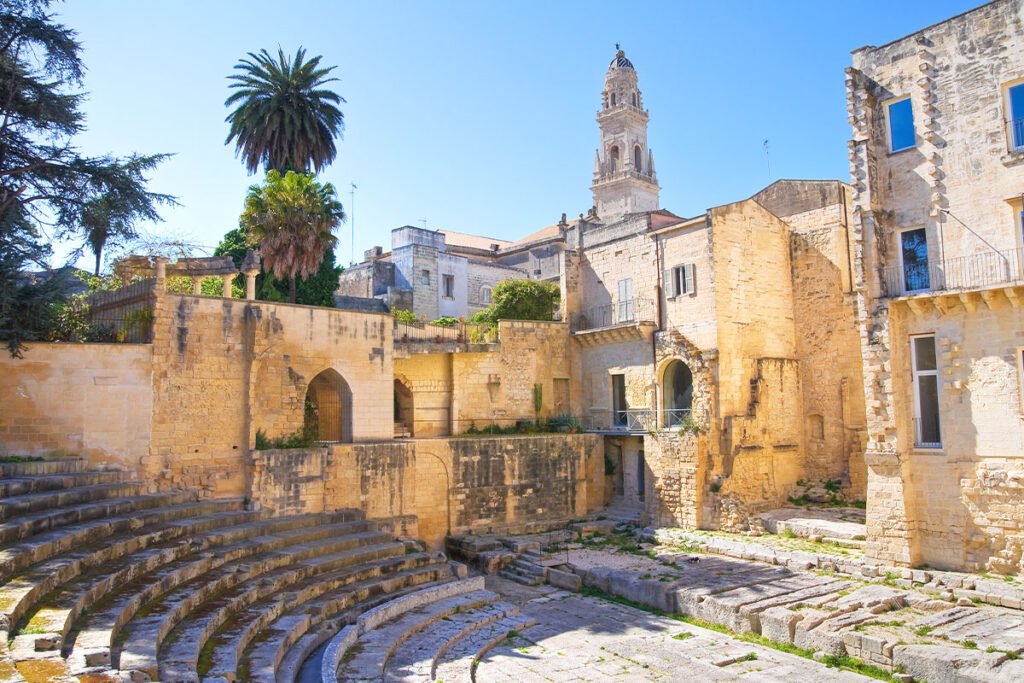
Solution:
(629, 320)
(978, 271)
(630, 421)
(428, 338)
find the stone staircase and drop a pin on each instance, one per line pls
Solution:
(437, 633)
(102, 582)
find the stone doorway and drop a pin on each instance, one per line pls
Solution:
(328, 410)
(404, 413)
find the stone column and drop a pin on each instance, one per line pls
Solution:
(197, 285)
(161, 274)
(250, 284)
(226, 291)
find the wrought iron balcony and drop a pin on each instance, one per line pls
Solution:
(624, 421)
(986, 269)
(629, 312)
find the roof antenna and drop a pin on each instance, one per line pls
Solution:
(768, 158)
(423, 221)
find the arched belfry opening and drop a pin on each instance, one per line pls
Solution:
(677, 393)
(403, 409)
(329, 407)
(638, 164)
(615, 158)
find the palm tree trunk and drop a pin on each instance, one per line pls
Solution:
(291, 288)
(98, 259)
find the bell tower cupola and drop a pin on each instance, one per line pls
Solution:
(624, 177)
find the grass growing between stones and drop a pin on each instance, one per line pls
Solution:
(844, 662)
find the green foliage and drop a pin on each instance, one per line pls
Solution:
(833, 485)
(404, 316)
(715, 486)
(286, 118)
(609, 466)
(560, 424)
(520, 300)
(445, 321)
(19, 458)
(538, 398)
(45, 181)
(687, 425)
(292, 218)
(300, 438)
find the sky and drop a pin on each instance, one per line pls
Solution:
(478, 117)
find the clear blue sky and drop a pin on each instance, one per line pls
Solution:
(479, 116)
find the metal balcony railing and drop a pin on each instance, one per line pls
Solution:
(626, 421)
(1015, 134)
(462, 333)
(927, 433)
(610, 315)
(985, 269)
(673, 418)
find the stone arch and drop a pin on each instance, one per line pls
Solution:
(638, 159)
(676, 392)
(614, 154)
(404, 410)
(613, 99)
(328, 407)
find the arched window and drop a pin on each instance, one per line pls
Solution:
(329, 407)
(615, 158)
(638, 165)
(634, 99)
(677, 394)
(613, 99)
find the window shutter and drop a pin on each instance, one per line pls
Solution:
(670, 285)
(690, 280)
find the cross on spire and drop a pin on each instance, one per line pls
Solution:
(617, 48)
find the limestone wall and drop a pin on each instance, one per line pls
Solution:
(227, 368)
(675, 489)
(92, 400)
(692, 314)
(429, 377)
(432, 487)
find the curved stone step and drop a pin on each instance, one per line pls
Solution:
(93, 641)
(81, 579)
(146, 634)
(16, 506)
(41, 547)
(225, 649)
(415, 659)
(179, 656)
(36, 523)
(19, 486)
(376, 647)
(261, 662)
(459, 663)
(41, 467)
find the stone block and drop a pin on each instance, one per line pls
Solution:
(565, 580)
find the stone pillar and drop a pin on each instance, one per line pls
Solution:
(891, 517)
(226, 291)
(250, 284)
(161, 274)
(197, 285)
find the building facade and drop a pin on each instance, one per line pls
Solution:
(937, 165)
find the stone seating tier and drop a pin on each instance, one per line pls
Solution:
(99, 578)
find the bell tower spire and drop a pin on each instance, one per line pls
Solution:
(624, 177)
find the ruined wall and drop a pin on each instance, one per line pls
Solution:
(676, 485)
(759, 452)
(429, 377)
(91, 400)
(225, 368)
(430, 487)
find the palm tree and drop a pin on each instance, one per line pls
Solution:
(285, 118)
(292, 218)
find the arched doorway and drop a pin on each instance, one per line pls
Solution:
(404, 423)
(677, 394)
(329, 407)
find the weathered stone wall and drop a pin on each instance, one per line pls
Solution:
(675, 489)
(227, 368)
(92, 400)
(961, 182)
(432, 487)
(429, 378)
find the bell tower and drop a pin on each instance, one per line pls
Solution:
(624, 177)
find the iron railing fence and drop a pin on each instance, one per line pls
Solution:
(673, 418)
(123, 315)
(610, 315)
(984, 269)
(461, 333)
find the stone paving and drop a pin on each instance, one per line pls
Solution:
(581, 638)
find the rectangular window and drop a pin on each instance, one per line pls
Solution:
(682, 280)
(901, 124)
(1015, 114)
(927, 433)
(485, 295)
(625, 307)
(914, 260)
(619, 405)
(424, 277)
(448, 286)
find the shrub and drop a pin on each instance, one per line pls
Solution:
(520, 300)
(445, 321)
(404, 316)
